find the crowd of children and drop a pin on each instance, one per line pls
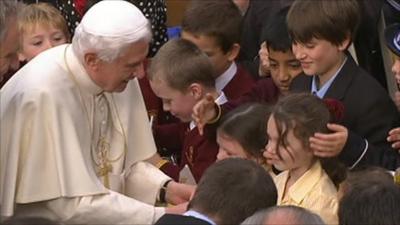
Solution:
(304, 130)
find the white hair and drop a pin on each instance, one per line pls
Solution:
(106, 48)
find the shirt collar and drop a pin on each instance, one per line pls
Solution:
(223, 80)
(322, 91)
(306, 183)
(78, 71)
(219, 101)
(199, 216)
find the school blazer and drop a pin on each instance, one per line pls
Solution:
(369, 113)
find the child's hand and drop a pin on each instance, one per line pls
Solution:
(263, 68)
(203, 112)
(329, 145)
(394, 137)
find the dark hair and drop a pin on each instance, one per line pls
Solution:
(180, 63)
(370, 203)
(306, 114)
(362, 174)
(218, 19)
(247, 125)
(233, 189)
(275, 32)
(333, 21)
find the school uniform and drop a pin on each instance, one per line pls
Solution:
(234, 82)
(172, 219)
(369, 113)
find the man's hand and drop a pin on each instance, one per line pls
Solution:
(329, 145)
(394, 137)
(178, 193)
(204, 111)
(177, 209)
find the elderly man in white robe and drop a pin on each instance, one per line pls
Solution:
(74, 130)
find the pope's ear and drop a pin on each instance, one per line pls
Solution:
(91, 61)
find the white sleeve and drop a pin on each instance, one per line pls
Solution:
(111, 208)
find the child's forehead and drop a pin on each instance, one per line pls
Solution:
(30, 27)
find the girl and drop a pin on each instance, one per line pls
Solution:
(304, 181)
(242, 133)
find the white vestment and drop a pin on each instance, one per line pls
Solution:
(47, 154)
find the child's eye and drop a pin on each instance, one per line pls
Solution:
(273, 65)
(295, 65)
(37, 43)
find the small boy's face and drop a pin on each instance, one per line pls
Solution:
(176, 102)
(220, 60)
(320, 57)
(396, 68)
(229, 147)
(283, 68)
(293, 156)
(39, 37)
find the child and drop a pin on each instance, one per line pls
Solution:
(229, 191)
(180, 74)
(242, 133)
(304, 182)
(41, 27)
(214, 26)
(322, 31)
(392, 36)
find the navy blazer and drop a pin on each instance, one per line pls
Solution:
(369, 113)
(171, 219)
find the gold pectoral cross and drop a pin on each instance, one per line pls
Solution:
(104, 167)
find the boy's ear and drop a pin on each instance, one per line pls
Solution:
(196, 90)
(21, 57)
(345, 44)
(91, 61)
(234, 52)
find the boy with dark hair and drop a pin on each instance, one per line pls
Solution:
(180, 74)
(214, 26)
(322, 31)
(229, 192)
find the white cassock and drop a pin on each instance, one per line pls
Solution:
(51, 122)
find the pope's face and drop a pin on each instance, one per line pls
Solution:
(114, 76)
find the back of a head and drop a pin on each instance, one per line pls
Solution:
(275, 32)
(370, 203)
(247, 125)
(218, 19)
(8, 13)
(334, 21)
(108, 27)
(44, 14)
(233, 189)
(291, 215)
(180, 63)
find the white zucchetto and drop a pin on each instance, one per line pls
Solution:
(111, 18)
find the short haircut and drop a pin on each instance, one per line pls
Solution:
(217, 19)
(370, 203)
(247, 125)
(275, 33)
(294, 214)
(330, 20)
(233, 189)
(8, 11)
(180, 63)
(41, 14)
(362, 174)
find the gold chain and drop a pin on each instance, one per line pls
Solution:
(104, 163)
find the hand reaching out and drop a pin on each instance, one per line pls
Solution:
(203, 112)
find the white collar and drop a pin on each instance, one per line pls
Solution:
(222, 80)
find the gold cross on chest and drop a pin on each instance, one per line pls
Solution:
(104, 167)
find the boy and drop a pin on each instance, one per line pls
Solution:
(214, 26)
(181, 75)
(41, 27)
(321, 32)
(392, 36)
(229, 192)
